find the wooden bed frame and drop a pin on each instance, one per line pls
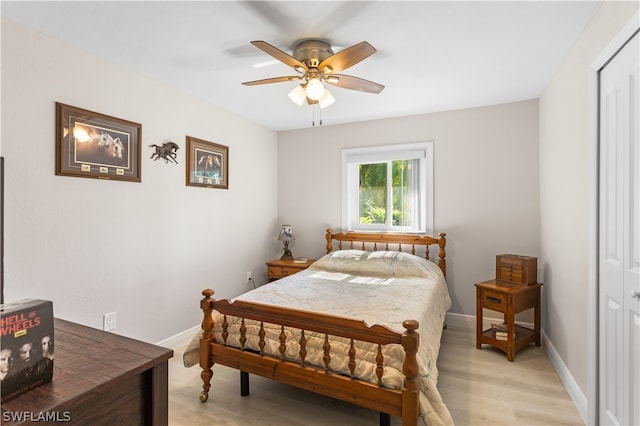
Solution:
(397, 402)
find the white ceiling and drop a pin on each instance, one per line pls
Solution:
(432, 56)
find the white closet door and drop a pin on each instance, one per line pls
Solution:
(619, 238)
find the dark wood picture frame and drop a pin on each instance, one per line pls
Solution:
(207, 164)
(98, 146)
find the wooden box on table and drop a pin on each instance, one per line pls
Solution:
(517, 269)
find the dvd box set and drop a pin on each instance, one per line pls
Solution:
(26, 346)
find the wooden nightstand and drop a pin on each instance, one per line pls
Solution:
(278, 268)
(510, 299)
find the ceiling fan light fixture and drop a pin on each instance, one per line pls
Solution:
(315, 62)
(326, 100)
(298, 95)
(315, 89)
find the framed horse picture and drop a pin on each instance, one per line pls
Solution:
(94, 145)
(207, 164)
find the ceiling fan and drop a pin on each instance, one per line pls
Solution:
(316, 64)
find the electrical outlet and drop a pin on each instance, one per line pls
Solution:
(249, 277)
(109, 321)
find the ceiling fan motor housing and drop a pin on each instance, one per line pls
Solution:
(312, 52)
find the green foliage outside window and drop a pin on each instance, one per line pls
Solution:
(373, 192)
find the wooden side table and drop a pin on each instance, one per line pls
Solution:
(510, 299)
(278, 268)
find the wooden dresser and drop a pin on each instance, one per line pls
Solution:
(98, 378)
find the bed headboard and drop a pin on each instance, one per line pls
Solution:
(381, 241)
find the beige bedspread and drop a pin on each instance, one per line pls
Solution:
(377, 287)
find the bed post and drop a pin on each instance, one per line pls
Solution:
(329, 237)
(205, 343)
(410, 403)
(442, 242)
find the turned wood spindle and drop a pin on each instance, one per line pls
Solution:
(326, 358)
(283, 343)
(352, 359)
(410, 344)
(243, 334)
(225, 329)
(261, 342)
(442, 242)
(303, 348)
(379, 365)
(205, 343)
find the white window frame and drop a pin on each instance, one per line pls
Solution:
(352, 157)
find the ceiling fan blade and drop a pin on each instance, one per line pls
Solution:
(348, 57)
(272, 80)
(354, 83)
(279, 54)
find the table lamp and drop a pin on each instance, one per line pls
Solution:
(286, 235)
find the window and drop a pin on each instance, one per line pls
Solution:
(388, 188)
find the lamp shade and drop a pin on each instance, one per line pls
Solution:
(298, 95)
(286, 233)
(326, 99)
(315, 89)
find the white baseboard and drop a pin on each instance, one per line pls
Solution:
(468, 322)
(576, 395)
(180, 340)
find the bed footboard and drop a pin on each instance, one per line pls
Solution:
(299, 372)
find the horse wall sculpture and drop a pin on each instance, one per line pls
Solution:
(167, 151)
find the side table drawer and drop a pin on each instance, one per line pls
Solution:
(281, 268)
(277, 272)
(494, 300)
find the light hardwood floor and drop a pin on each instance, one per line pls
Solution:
(480, 387)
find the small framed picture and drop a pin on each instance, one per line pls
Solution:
(93, 145)
(207, 164)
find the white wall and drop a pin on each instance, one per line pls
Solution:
(142, 250)
(565, 187)
(486, 184)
